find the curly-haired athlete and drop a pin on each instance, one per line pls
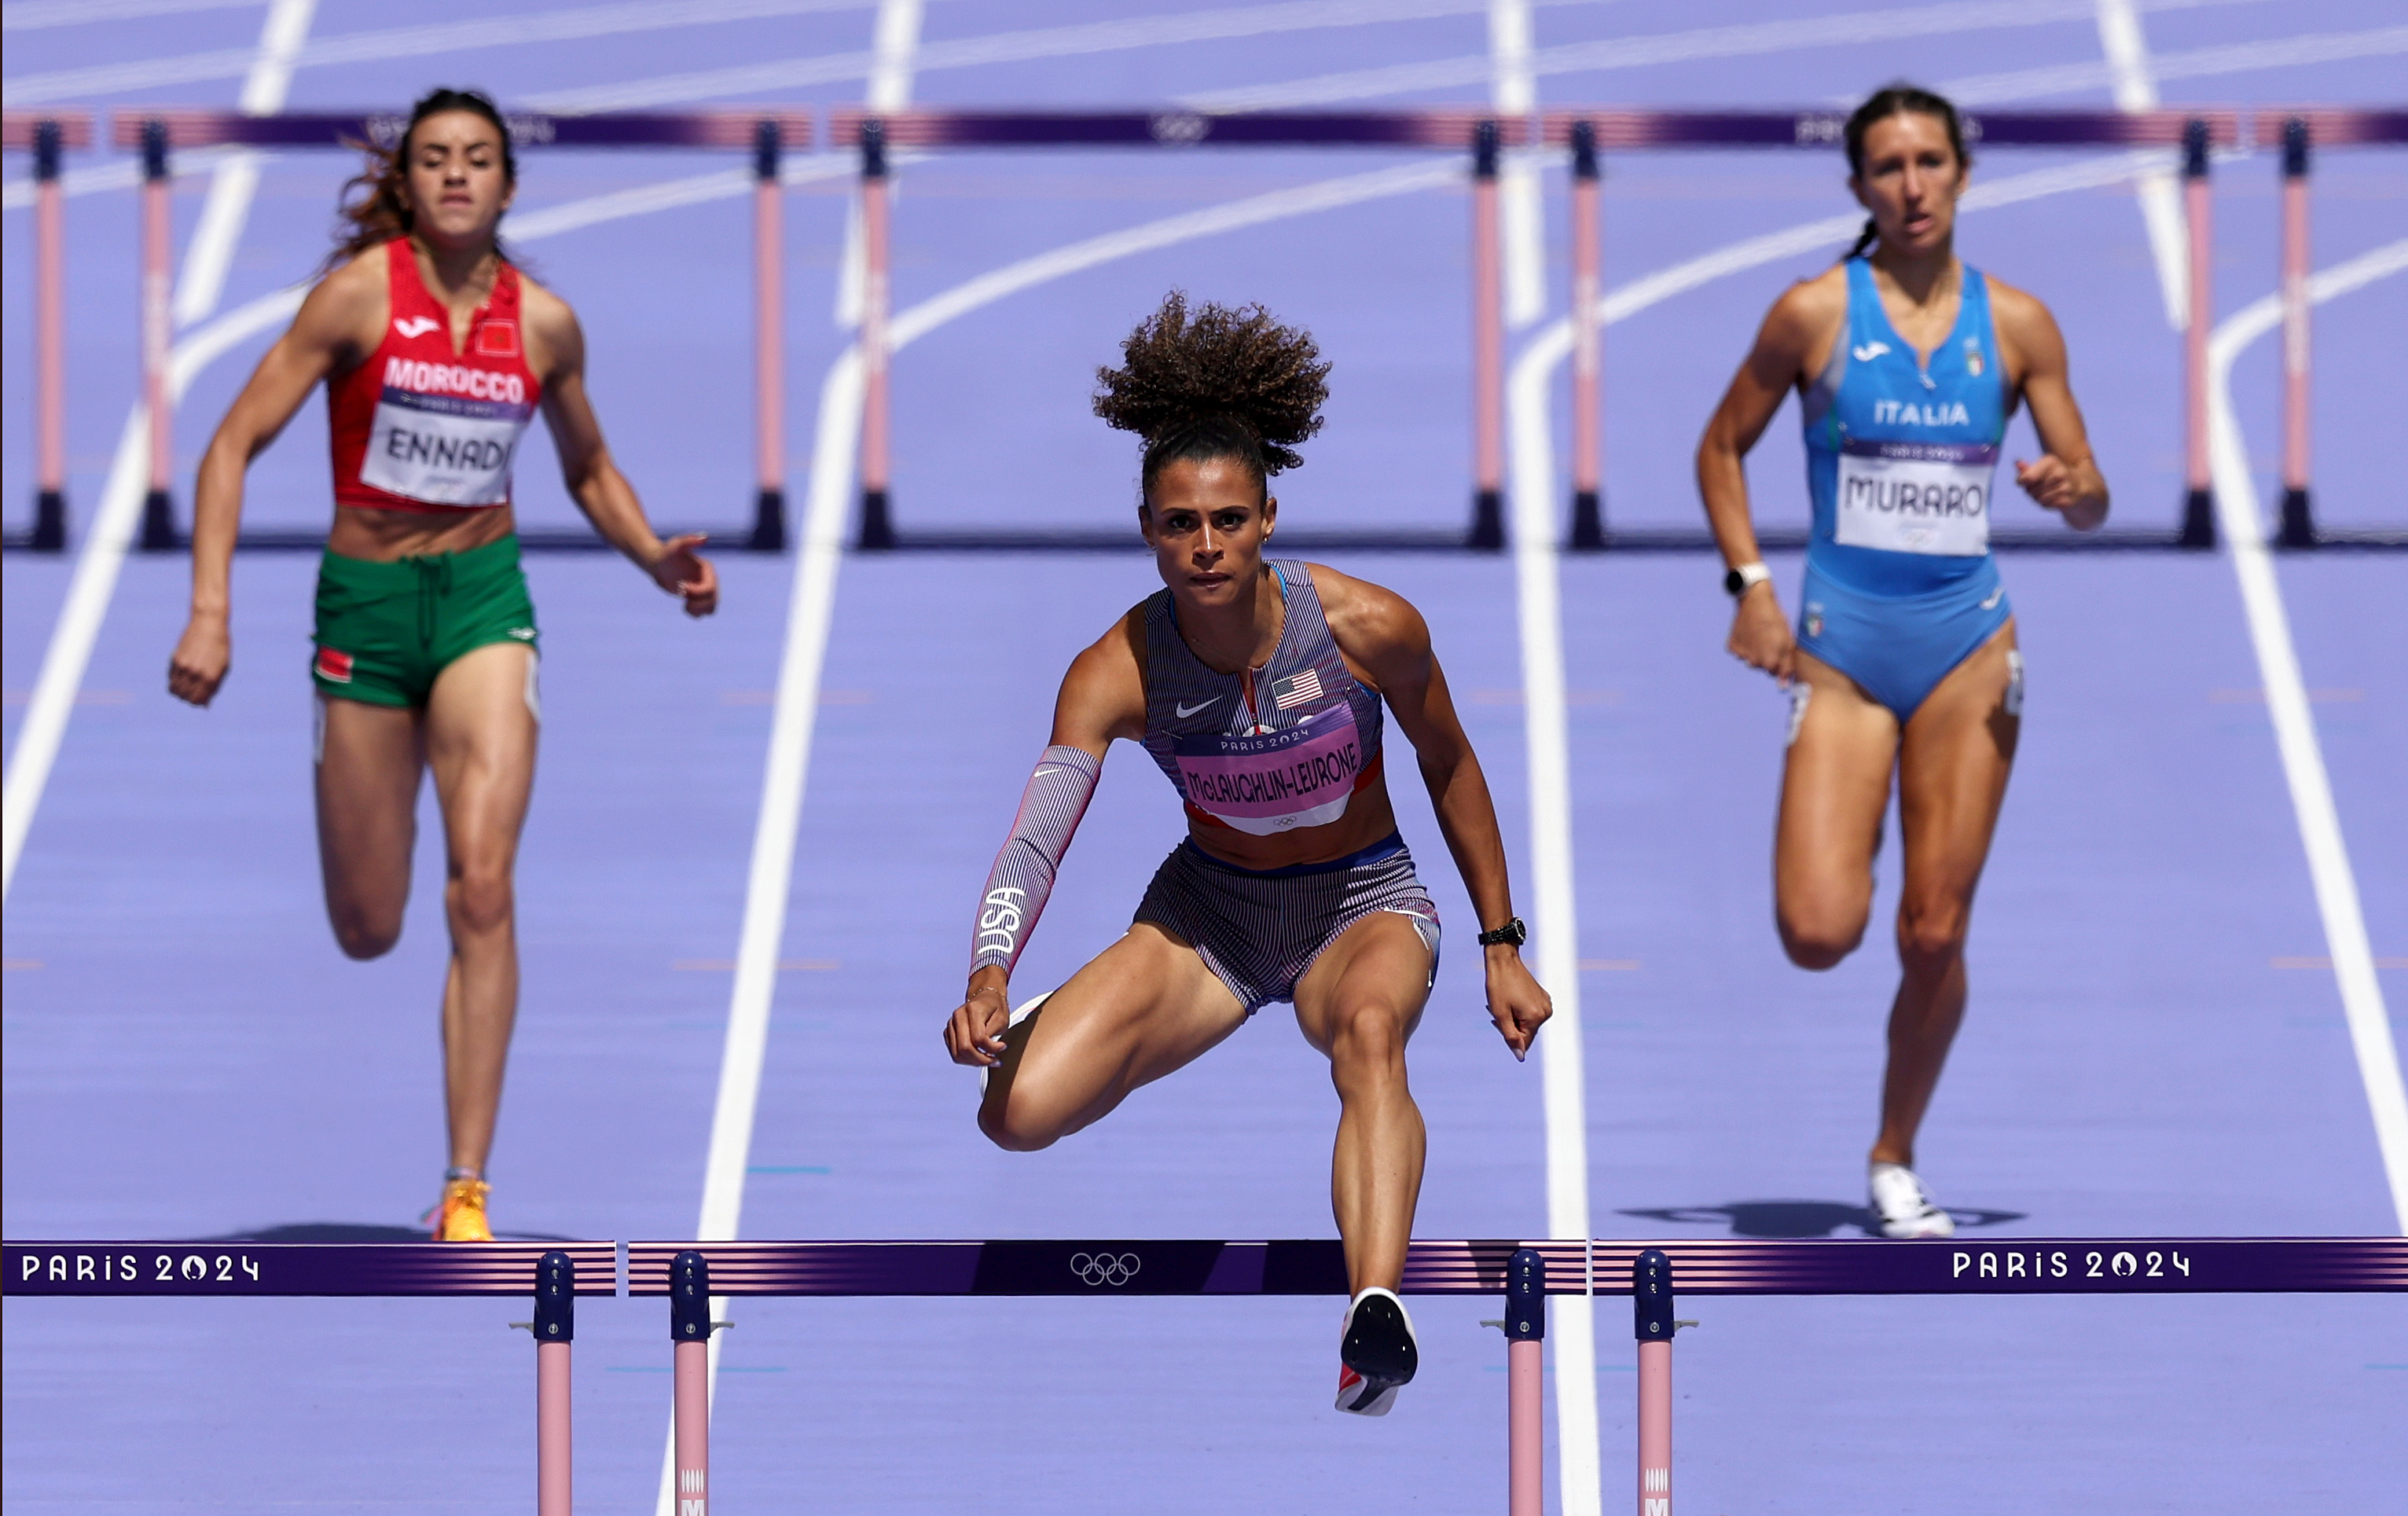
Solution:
(1907, 364)
(1256, 686)
(435, 353)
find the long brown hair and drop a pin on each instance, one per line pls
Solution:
(374, 206)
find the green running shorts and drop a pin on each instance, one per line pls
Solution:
(385, 630)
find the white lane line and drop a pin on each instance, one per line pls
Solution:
(630, 16)
(2198, 63)
(1849, 29)
(36, 15)
(95, 579)
(1515, 93)
(1072, 41)
(210, 253)
(2161, 210)
(891, 54)
(2240, 515)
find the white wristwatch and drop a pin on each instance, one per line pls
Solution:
(1745, 578)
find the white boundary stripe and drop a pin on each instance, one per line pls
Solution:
(2238, 515)
(210, 253)
(1515, 95)
(2161, 209)
(2198, 63)
(95, 579)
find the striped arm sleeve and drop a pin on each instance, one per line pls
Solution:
(1023, 876)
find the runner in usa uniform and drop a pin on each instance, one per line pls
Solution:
(1256, 686)
(1907, 365)
(435, 353)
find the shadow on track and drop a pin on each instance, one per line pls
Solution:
(1799, 1217)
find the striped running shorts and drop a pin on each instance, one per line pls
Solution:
(1259, 930)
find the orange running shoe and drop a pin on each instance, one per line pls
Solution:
(460, 1215)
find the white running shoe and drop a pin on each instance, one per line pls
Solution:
(1376, 1353)
(1902, 1208)
(1027, 1009)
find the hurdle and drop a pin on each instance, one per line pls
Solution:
(48, 135)
(874, 135)
(767, 133)
(1589, 131)
(689, 1275)
(2301, 132)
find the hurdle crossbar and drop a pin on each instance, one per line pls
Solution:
(2300, 132)
(49, 134)
(766, 133)
(876, 134)
(1588, 131)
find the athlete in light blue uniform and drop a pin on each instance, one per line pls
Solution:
(1907, 364)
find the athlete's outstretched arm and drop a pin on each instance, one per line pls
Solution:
(556, 351)
(1381, 631)
(1798, 321)
(338, 321)
(2066, 479)
(1102, 697)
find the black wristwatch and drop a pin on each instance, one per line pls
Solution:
(1746, 577)
(1513, 934)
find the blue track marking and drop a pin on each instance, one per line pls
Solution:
(193, 1056)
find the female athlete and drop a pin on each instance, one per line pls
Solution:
(435, 353)
(1255, 684)
(1908, 363)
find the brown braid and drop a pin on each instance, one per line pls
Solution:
(1215, 382)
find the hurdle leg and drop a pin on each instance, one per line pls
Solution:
(556, 1328)
(1650, 1301)
(690, 1331)
(49, 343)
(1589, 498)
(1487, 349)
(158, 335)
(1525, 1379)
(2299, 522)
(769, 339)
(877, 525)
(2199, 499)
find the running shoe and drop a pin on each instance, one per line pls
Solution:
(460, 1215)
(1902, 1208)
(1376, 1354)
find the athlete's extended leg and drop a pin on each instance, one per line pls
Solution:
(1953, 770)
(370, 760)
(1833, 791)
(480, 742)
(1359, 1003)
(1142, 1008)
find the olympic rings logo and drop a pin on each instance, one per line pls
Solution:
(1101, 1268)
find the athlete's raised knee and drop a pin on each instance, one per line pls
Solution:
(362, 933)
(1819, 941)
(1013, 1126)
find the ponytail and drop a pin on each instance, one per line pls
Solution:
(1865, 240)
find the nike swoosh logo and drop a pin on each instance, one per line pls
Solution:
(1185, 711)
(415, 326)
(1994, 597)
(1869, 351)
(1043, 772)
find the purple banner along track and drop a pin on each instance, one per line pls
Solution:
(2326, 128)
(2083, 1265)
(1627, 129)
(1174, 129)
(297, 1268)
(17, 128)
(204, 128)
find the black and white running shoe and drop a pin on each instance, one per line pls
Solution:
(1902, 1206)
(1376, 1353)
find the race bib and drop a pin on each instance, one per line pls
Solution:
(444, 449)
(1930, 497)
(1277, 781)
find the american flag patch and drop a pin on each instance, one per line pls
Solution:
(1296, 690)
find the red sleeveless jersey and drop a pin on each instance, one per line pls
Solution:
(421, 427)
